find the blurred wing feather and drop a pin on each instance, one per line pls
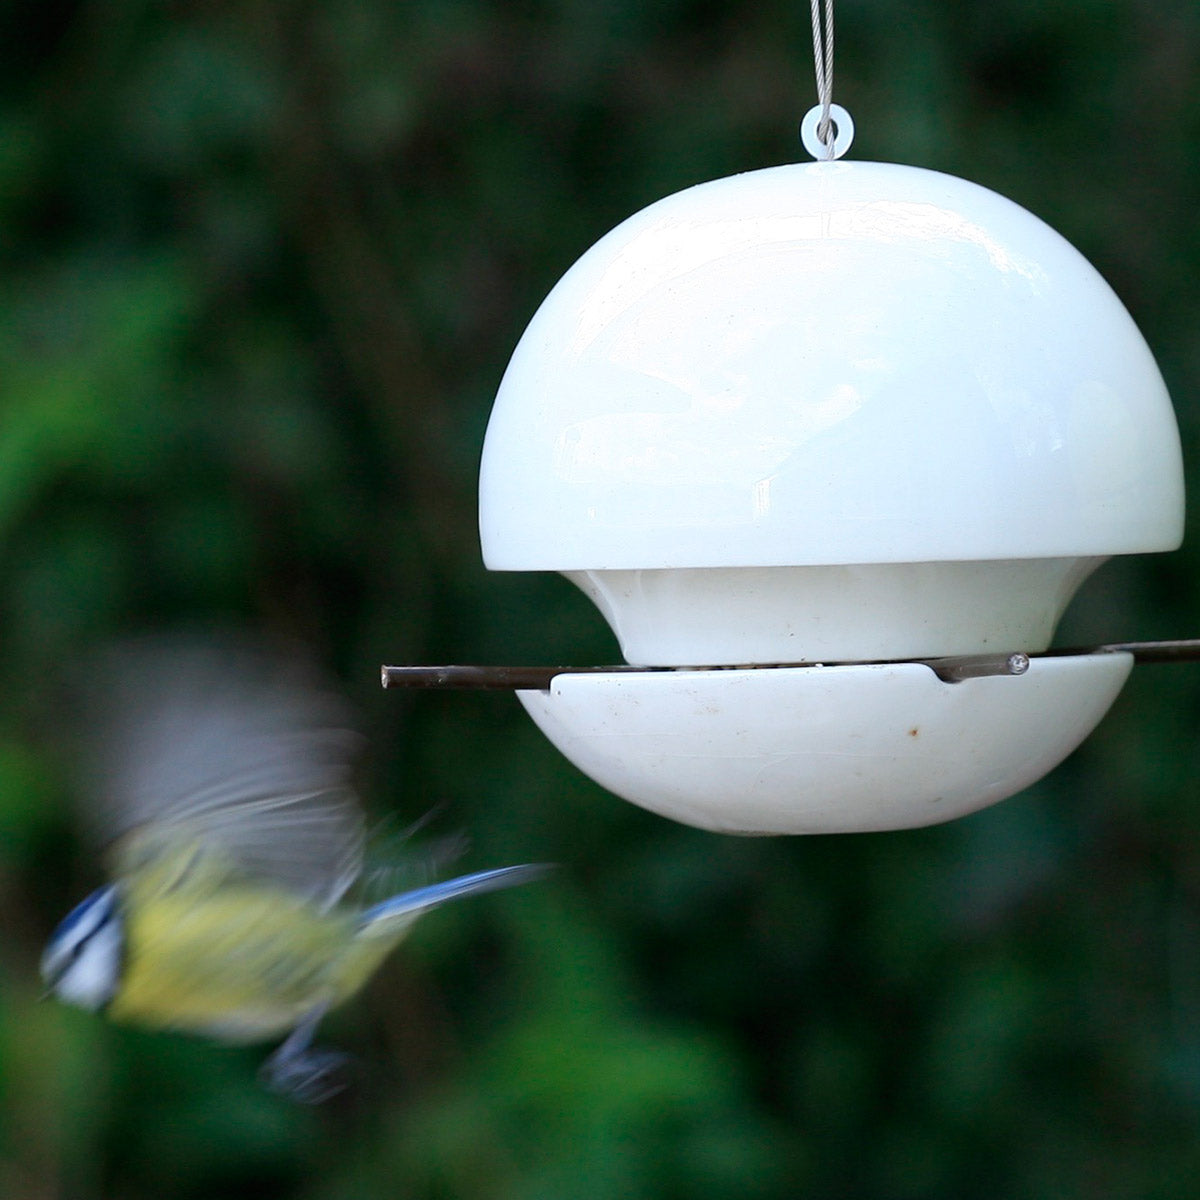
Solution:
(224, 744)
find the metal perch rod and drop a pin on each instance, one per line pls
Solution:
(950, 669)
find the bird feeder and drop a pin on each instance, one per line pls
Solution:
(830, 446)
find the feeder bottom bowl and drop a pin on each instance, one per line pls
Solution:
(824, 749)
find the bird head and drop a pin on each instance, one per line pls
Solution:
(82, 961)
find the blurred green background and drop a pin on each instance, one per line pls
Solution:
(262, 264)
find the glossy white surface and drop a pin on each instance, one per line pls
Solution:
(727, 616)
(824, 749)
(828, 363)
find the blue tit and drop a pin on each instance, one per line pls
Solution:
(221, 775)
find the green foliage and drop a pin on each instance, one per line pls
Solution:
(261, 267)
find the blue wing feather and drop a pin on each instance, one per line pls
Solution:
(419, 899)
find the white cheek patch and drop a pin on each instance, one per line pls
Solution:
(91, 980)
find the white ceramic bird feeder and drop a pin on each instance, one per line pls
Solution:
(865, 418)
(831, 447)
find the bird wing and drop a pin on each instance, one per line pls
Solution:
(227, 746)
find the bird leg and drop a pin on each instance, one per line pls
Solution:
(302, 1073)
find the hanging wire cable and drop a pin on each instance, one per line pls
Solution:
(823, 61)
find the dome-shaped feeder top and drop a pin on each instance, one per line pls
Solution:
(828, 363)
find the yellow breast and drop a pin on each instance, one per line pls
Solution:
(240, 964)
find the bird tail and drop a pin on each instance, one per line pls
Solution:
(412, 904)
